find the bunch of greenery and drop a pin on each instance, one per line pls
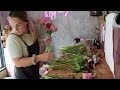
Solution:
(75, 64)
(72, 59)
(79, 50)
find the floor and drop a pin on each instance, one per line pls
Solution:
(102, 69)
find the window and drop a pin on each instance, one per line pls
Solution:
(2, 59)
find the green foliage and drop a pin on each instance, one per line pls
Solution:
(48, 49)
(52, 76)
(71, 59)
(79, 50)
(76, 64)
(48, 32)
(48, 77)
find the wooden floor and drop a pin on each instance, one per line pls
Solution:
(102, 69)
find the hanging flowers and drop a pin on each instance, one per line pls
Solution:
(47, 25)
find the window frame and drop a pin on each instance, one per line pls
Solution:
(2, 56)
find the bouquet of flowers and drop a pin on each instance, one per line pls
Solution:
(47, 25)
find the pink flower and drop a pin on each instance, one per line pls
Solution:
(43, 20)
(48, 25)
(87, 75)
(53, 28)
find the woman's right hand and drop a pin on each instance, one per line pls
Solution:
(45, 57)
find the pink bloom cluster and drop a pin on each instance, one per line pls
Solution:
(47, 25)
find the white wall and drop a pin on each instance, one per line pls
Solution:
(76, 24)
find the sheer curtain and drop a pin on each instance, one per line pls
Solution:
(9, 63)
(3, 18)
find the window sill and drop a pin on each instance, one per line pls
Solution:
(2, 69)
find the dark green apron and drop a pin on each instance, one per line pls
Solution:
(30, 72)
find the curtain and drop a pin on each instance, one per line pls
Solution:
(116, 52)
(3, 18)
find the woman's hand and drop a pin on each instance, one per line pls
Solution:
(45, 57)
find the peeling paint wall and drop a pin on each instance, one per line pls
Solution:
(76, 24)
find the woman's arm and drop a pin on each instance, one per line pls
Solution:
(23, 62)
(27, 61)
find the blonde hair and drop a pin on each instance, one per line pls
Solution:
(23, 16)
(33, 31)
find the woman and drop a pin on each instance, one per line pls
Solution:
(23, 47)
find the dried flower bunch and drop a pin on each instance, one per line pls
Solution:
(5, 33)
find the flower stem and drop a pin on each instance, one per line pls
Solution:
(48, 49)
